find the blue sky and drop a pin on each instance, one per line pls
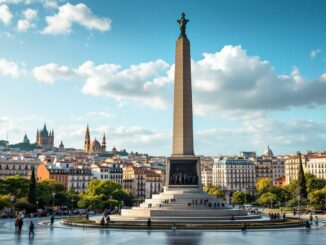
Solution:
(110, 64)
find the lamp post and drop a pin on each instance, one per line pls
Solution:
(299, 205)
(53, 195)
(72, 206)
(12, 200)
(37, 202)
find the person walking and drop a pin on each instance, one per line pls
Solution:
(31, 229)
(149, 223)
(52, 220)
(316, 220)
(20, 225)
(102, 222)
(311, 218)
(16, 223)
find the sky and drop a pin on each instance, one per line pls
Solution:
(258, 73)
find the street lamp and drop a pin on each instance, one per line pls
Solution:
(299, 205)
(37, 202)
(12, 200)
(53, 195)
(72, 206)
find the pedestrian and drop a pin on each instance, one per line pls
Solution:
(20, 225)
(31, 229)
(174, 227)
(16, 223)
(244, 227)
(316, 220)
(149, 223)
(107, 219)
(52, 220)
(284, 216)
(102, 222)
(307, 224)
(311, 218)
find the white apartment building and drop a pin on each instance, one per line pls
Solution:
(317, 165)
(79, 178)
(291, 167)
(107, 171)
(234, 174)
(207, 176)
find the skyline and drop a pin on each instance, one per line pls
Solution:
(258, 73)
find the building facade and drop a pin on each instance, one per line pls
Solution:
(18, 165)
(269, 167)
(207, 176)
(234, 174)
(292, 164)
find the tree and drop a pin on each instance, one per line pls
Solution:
(241, 198)
(104, 194)
(314, 183)
(213, 190)
(263, 185)
(45, 189)
(14, 185)
(32, 197)
(302, 187)
(318, 198)
(4, 201)
(267, 198)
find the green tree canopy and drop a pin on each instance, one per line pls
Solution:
(267, 199)
(14, 185)
(213, 190)
(241, 198)
(263, 185)
(45, 189)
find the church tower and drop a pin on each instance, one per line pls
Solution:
(87, 145)
(104, 144)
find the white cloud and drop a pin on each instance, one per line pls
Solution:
(228, 82)
(314, 53)
(10, 68)
(50, 4)
(68, 14)
(29, 15)
(5, 14)
(254, 135)
(51, 72)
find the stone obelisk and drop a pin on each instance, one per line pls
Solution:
(182, 117)
(183, 166)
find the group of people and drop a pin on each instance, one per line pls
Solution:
(276, 216)
(206, 202)
(313, 220)
(105, 221)
(19, 222)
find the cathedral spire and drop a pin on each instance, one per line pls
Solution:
(87, 144)
(104, 143)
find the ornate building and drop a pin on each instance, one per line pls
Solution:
(94, 147)
(45, 138)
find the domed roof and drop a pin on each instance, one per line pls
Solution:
(268, 152)
(95, 144)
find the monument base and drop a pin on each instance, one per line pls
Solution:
(178, 203)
